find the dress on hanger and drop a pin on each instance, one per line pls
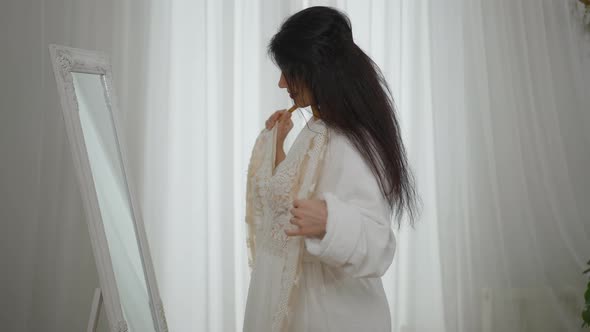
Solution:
(311, 284)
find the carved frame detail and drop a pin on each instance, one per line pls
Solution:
(66, 60)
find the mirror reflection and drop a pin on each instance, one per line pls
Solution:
(113, 198)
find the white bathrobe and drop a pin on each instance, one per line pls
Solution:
(339, 286)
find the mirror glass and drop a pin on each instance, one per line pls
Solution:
(113, 198)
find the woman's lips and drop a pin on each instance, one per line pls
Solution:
(292, 95)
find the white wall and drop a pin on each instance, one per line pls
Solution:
(47, 271)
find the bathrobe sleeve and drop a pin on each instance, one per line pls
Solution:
(358, 238)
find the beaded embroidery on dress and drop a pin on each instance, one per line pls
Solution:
(275, 258)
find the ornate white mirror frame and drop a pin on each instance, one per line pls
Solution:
(66, 61)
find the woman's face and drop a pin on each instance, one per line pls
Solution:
(301, 98)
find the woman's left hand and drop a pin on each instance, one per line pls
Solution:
(310, 216)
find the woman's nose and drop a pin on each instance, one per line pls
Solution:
(282, 82)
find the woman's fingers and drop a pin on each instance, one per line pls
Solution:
(310, 217)
(277, 115)
(273, 119)
(284, 119)
(293, 232)
(284, 126)
(270, 121)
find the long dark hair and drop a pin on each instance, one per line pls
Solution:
(315, 48)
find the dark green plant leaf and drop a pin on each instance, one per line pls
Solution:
(586, 317)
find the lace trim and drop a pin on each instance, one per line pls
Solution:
(269, 199)
(253, 214)
(315, 157)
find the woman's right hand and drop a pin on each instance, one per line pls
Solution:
(281, 118)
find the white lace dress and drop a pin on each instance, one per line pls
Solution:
(335, 284)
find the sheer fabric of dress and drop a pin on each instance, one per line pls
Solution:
(336, 285)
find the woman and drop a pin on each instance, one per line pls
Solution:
(363, 178)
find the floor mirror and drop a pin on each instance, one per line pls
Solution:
(128, 293)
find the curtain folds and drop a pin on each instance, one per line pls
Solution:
(493, 102)
(491, 98)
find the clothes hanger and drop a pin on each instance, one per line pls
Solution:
(314, 109)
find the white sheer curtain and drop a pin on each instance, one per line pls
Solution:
(494, 115)
(510, 111)
(210, 88)
(493, 100)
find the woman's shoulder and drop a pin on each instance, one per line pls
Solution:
(343, 157)
(340, 145)
(346, 172)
